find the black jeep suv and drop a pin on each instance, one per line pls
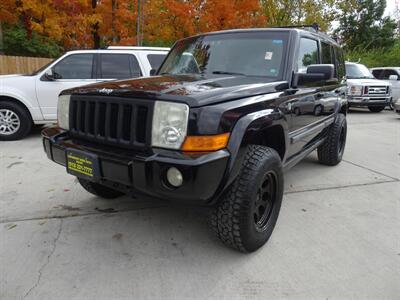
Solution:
(225, 115)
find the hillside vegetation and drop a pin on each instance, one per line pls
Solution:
(379, 57)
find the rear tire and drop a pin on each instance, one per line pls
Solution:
(98, 189)
(331, 151)
(15, 121)
(376, 109)
(245, 216)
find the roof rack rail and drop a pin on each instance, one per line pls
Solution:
(137, 48)
(314, 26)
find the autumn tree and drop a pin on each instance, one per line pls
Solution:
(7, 7)
(218, 15)
(300, 12)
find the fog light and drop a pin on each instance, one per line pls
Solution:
(174, 177)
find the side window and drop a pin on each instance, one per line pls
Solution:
(377, 73)
(340, 65)
(308, 54)
(75, 66)
(119, 66)
(155, 60)
(388, 72)
(326, 54)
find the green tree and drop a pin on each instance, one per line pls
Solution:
(364, 26)
(16, 42)
(302, 12)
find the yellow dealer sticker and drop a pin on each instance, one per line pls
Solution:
(81, 164)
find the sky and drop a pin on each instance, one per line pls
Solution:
(390, 8)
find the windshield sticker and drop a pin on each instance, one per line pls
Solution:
(268, 55)
(277, 41)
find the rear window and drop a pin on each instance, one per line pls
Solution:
(155, 60)
(377, 73)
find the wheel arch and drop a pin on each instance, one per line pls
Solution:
(252, 130)
(4, 98)
(272, 136)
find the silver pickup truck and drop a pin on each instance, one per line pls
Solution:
(364, 90)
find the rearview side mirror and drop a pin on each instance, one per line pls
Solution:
(314, 74)
(153, 72)
(49, 74)
(394, 77)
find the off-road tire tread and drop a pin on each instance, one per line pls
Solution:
(327, 152)
(225, 217)
(99, 190)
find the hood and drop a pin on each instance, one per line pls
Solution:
(14, 81)
(10, 76)
(193, 90)
(367, 82)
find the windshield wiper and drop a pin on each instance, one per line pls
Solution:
(228, 73)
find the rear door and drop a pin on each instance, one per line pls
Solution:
(113, 66)
(155, 60)
(74, 70)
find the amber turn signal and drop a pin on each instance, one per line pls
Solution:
(205, 142)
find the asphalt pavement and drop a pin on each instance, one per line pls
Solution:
(337, 237)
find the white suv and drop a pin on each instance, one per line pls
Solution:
(392, 75)
(364, 90)
(32, 98)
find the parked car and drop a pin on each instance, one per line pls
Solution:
(364, 90)
(396, 105)
(392, 76)
(216, 131)
(32, 98)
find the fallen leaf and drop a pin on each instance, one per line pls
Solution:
(11, 226)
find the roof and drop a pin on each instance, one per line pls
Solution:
(385, 68)
(306, 29)
(138, 48)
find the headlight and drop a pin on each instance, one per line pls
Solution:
(63, 111)
(169, 124)
(355, 90)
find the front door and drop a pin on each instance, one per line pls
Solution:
(316, 102)
(73, 71)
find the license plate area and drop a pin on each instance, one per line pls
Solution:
(82, 164)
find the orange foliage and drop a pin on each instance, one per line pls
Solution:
(73, 22)
(7, 11)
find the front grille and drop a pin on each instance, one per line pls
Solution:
(378, 90)
(114, 121)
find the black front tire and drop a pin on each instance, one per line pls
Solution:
(376, 109)
(391, 104)
(239, 219)
(100, 190)
(24, 117)
(331, 151)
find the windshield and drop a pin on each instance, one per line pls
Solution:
(356, 71)
(244, 54)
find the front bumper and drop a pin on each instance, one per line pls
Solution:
(145, 173)
(361, 101)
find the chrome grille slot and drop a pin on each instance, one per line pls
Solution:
(377, 90)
